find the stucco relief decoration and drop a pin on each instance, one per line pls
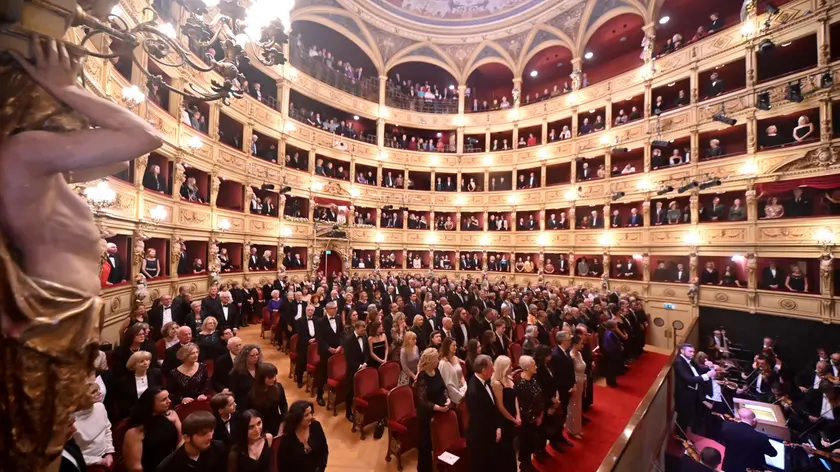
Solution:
(815, 158)
(721, 297)
(787, 304)
(456, 9)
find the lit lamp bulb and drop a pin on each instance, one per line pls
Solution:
(168, 30)
(644, 184)
(382, 156)
(379, 237)
(431, 238)
(572, 98)
(484, 240)
(158, 213)
(692, 239)
(434, 160)
(488, 160)
(117, 11)
(290, 127)
(100, 196)
(317, 186)
(606, 139)
(132, 95)
(194, 143)
(285, 232)
(571, 194)
(605, 240)
(542, 239)
(459, 199)
(224, 224)
(211, 3)
(513, 198)
(824, 236)
(748, 28)
(749, 168)
(354, 192)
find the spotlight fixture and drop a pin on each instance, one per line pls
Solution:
(688, 186)
(827, 81)
(664, 190)
(764, 101)
(267, 187)
(721, 117)
(534, 73)
(619, 149)
(285, 189)
(388, 207)
(618, 196)
(660, 143)
(794, 92)
(766, 45)
(710, 183)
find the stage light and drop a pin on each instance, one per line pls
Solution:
(618, 196)
(619, 149)
(534, 73)
(664, 190)
(688, 186)
(664, 20)
(794, 92)
(710, 183)
(827, 81)
(451, 87)
(721, 117)
(588, 55)
(356, 117)
(267, 187)
(764, 101)
(765, 45)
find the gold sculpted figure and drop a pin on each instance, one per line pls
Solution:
(50, 310)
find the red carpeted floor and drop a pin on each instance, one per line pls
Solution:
(609, 415)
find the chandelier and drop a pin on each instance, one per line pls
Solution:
(99, 196)
(157, 215)
(234, 23)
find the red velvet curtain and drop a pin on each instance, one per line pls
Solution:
(330, 201)
(825, 182)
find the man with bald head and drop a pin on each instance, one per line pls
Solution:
(170, 360)
(224, 363)
(745, 447)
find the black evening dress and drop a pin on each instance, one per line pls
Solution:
(505, 453)
(160, 439)
(245, 463)
(292, 456)
(379, 350)
(430, 391)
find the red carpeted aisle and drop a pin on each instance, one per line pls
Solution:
(610, 414)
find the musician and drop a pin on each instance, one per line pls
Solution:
(822, 406)
(718, 346)
(687, 393)
(811, 379)
(761, 379)
(745, 447)
(709, 461)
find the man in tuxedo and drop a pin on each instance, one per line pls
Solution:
(357, 353)
(799, 205)
(224, 409)
(615, 219)
(687, 389)
(152, 180)
(680, 274)
(563, 368)
(552, 222)
(160, 315)
(716, 86)
(772, 277)
(253, 259)
(211, 305)
(229, 315)
(224, 363)
(635, 218)
(431, 320)
(328, 331)
(117, 274)
(413, 307)
(563, 223)
(484, 430)
(745, 447)
(631, 270)
(170, 359)
(562, 265)
(595, 221)
(532, 181)
(267, 207)
(181, 304)
(305, 329)
(659, 216)
(500, 340)
(585, 173)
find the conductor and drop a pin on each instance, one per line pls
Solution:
(745, 447)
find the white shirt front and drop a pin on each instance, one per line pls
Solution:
(225, 312)
(487, 387)
(705, 377)
(167, 314)
(826, 410)
(333, 325)
(817, 380)
(299, 311)
(361, 343)
(311, 325)
(715, 396)
(141, 384)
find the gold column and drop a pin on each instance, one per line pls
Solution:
(572, 218)
(752, 133)
(825, 120)
(383, 87)
(462, 99)
(380, 133)
(647, 154)
(515, 143)
(377, 257)
(824, 41)
(694, 202)
(751, 57)
(215, 184)
(544, 131)
(486, 222)
(751, 203)
(247, 131)
(646, 267)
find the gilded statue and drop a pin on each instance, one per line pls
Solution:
(52, 133)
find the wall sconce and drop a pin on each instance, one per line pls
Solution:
(542, 154)
(513, 115)
(484, 240)
(459, 199)
(194, 143)
(434, 160)
(431, 238)
(825, 237)
(157, 215)
(737, 258)
(542, 240)
(355, 192)
(132, 96)
(648, 71)
(382, 155)
(293, 73)
(692, 239)
(571, 194)
(317, 186)
(384, 112)
(289, 127)
(117, 11)
(749, 168)
(224, 225)
(605, 139)
(605, 240)
(99, 197)
(572, 99)
(459, 120)
(488, 160)
(644, 184)
(513, 198)
(748, 29)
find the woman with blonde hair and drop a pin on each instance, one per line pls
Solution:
(140, 378)
(409, 358)
(430, 397)
(169, 333)
(508, 406)
(190, 380)
(209, 339)
(451, 372)
(398, 330)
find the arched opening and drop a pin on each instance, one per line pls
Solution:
(487, 85)
(547, 74)
(334, 59)
(330, 262)
(422, 86)
(614, 48)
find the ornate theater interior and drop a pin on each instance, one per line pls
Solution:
(681, 152)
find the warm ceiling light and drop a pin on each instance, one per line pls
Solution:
(356, 117)
(588, 55)
(158, 213)
(434, 160)
(664, 19)
(748, 28)
(534, 73)
(354, 192)
(117, 11)
(194, 143)
(787, 44)
(431, 238)
(439, 134)
(168, 30)
(542, 239)
(605, 240)
(286, 232)
(451, 87)
(488, 160)
(671, 84)
(692, 239)
(592, 111)
(513, 198)
(484, 240)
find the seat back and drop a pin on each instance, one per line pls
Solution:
(336, 366)
(366, 382)
(445, 432)
(463, 367)
(210, 367)
(118, 437)
(553, 339)
(463, 417)
(312, 356)
(184, 410)
(516, 375)
(160, 347)
(293, 342)
(519, 333)
(389, 375)
(401, 403)
(514, 351)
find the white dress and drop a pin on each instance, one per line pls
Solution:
(452, 376)
(93, 434)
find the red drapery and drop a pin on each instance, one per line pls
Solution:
(825, 182)
(330, 201)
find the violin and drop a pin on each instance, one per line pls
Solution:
(831, 378)
(728, 384)
(834, 457)
(784, 400)
(690, 448)
(726, 417)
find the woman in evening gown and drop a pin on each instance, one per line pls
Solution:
(430, 397)
(574, 417)
(508, 405)
(378, 344)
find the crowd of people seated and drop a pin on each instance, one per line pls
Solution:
(414, 95)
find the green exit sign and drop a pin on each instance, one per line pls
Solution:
(669, 306)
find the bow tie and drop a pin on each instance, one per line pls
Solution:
(224, 305)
